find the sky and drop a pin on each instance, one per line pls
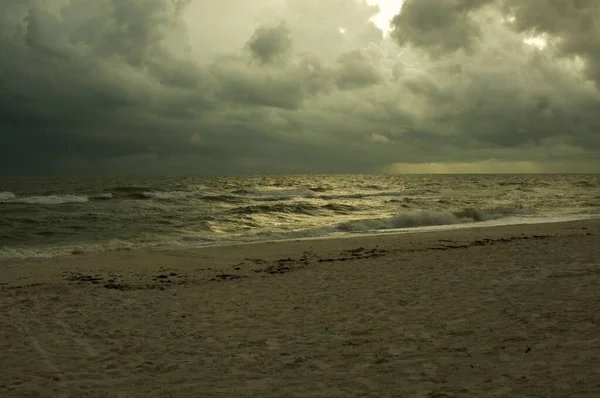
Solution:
(299, 86)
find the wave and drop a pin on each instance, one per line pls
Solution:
(319, 189)
(129, 189)
(425, 218)
(221, 198)
(265, 236)
(44, 200)
(158, 195)
(101, 196)
(360, 195)
(10, 198)
(274, 194)
(198, 237)
(594, 211)
(144, 192)
(297, 208)
(7, 196)
(406, 220)
(141, 193)
(590, 205)
(317, 192)
(491, 214)
(340, 208)
(583, 184)
(112, 245)
(172, 195)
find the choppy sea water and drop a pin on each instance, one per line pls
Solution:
(45, 217)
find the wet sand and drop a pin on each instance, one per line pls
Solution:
(509, 311)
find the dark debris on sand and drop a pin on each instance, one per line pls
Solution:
(117, 286)
(111, 282)
(78, 277)
(359, 253)
(226, 277)
(486, 242)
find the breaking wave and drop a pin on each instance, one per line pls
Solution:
(426, 218)
(6, 196)
(406, 220)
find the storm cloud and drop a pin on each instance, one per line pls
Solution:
(290, 86)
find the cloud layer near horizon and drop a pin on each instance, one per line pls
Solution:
(298, 86)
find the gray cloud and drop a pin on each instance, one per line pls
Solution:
(443, 26)
(573, 26)
(269, 44)
(357, 69)
(438, 26)
(234, 86)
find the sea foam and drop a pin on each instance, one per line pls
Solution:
(42, 200)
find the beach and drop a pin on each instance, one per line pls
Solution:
(508, 311)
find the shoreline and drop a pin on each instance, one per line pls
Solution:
(76, 250)
(502, 311)
(468, 232)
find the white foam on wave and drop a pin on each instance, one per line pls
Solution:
(44, 200)
(113, 245)
(16, 253)
(102, 196)
(63, 250)
(7, 196)
(587, 212)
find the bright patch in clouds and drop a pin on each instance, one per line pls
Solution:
(387, 10)
(538, 41)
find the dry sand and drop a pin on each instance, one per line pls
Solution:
(482, 312)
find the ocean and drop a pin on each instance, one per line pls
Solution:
(46, 217)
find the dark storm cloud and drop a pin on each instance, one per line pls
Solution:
(296, 86)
